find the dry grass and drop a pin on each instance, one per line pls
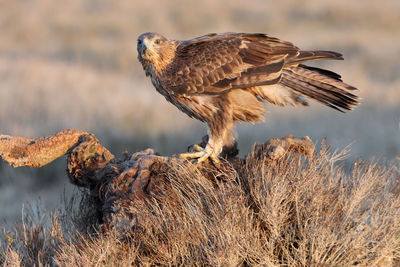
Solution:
(73, 65)
(291, 212)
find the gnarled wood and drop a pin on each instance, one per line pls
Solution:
(117, 183)
(37, 152)
(275, 148)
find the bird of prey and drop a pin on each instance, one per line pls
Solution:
(224, 78)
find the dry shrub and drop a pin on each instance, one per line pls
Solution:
(289, 212)
(32, 242)
(313, 213)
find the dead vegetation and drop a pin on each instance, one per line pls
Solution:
(77, 67)
(146, 209)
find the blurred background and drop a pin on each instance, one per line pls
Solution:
(72, 64)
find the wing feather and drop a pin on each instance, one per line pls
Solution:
(217, 63)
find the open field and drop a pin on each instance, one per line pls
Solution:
(73, 65)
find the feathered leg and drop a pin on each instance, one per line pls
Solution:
(220, 127)
(218, 138)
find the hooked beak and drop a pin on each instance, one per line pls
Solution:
(142, 48)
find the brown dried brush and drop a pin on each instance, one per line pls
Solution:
(288, 212)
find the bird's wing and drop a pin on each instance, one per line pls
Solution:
(217, 63)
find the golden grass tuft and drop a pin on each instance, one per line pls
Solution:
(289, 212)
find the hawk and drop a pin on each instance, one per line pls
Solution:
(224, 78)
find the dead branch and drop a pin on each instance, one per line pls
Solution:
(276, 148)
(118, 182)
(37, 152)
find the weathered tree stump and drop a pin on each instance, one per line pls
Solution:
(117, 183)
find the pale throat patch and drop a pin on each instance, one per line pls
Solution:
(159, 55)
(149, 45)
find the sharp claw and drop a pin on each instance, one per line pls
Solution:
(191, 155)
(215, 158)
(197, 148)
(201, 155)
(203, 158)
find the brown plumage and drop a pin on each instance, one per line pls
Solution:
(224, 78)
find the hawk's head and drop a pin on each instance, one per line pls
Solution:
(155, 51)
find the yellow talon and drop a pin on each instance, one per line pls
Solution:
(200, 155)
(197, 148)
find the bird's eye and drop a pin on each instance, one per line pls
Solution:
(157, 41)
(139, 42)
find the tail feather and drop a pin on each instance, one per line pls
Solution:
(321, 85)
(304, 56)
(328, 73)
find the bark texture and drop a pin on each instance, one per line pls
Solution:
(117, 183)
